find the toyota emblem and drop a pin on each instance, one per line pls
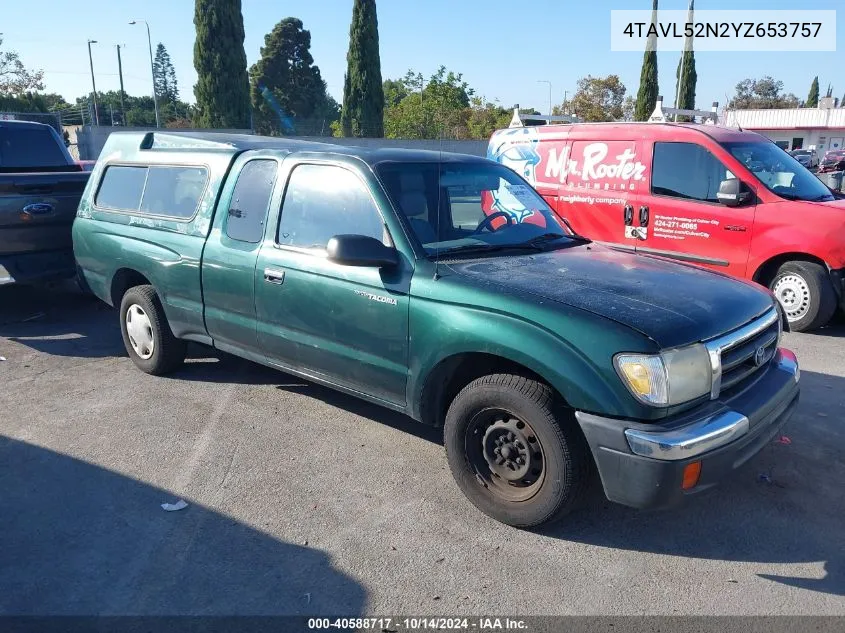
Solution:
(759, 356)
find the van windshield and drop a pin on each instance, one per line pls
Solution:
(779, 172)
(470, 207)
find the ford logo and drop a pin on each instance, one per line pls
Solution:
(38, 208)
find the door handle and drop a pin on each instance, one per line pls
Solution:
(628, 215)
(643, 216)
(273, 276)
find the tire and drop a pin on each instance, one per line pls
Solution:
(806, 293)
(152, 346)
(486, 412)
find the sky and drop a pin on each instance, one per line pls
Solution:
(504, 48)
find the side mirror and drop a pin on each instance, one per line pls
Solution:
(361, 250)
(734, 193)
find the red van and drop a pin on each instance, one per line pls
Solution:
(722, 198)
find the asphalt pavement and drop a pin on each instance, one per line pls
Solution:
(305, 501)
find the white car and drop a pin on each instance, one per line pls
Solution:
(806, 157)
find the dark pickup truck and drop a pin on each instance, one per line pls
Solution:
(442, 286)
(40, 188)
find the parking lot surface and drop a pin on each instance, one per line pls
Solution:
(305, 501)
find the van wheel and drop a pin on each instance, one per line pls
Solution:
(146, 333)
(517, 456)
(806, 294)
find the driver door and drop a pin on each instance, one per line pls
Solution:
(684, 219)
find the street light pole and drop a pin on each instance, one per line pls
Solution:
(152, 68)
(546, 81)
(93, 83)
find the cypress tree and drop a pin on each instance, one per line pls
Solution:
(363, 93)
(222, 88)
(813, 97)
(686, 77)
(647, 94)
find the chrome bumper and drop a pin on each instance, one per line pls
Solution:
(704, 435)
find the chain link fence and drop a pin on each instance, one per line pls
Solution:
(49, 118)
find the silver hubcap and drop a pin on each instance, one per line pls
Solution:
(140, 331)
(794, 295)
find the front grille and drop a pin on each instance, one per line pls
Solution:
(737, 356)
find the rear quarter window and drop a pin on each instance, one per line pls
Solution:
(158, 190)
(29, 147)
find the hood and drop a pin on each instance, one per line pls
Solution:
(673, 304)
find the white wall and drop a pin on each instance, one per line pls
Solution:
(820, 138)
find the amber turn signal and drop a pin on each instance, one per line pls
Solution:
(692, 472)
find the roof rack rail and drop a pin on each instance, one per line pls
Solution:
(531, 120)
(181, 140)
(708, 117)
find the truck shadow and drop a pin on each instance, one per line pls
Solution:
(82, 540)
(216, 366)
(60, 321)
(794, 519)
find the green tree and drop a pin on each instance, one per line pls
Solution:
(647, 93)
(394, 91)
(686, 77)
(363, 93)
(164, 77)
(761, 94)
(300, 103)
(222, 88)
(435, 110)
(813, 97)
(15, 79)
(599, 98)
(484, 118)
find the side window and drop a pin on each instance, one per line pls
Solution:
(250, 201)
(322, 201)
(687, 170)
(121, 188)
(173, 191)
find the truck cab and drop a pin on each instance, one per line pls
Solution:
(721, 198)
(444, 287)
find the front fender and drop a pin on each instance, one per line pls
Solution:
(574, 356)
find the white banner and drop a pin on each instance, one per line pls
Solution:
(732, 30)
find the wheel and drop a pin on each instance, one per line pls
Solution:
(146, 333)
(516, 454)
(806, 294)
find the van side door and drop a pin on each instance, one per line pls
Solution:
(682, 217)
(346, 325)
(231, 251)
(601, 184)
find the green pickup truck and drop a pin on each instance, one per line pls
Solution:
(442, 286)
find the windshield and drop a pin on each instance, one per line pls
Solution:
(779, 172)
(481, 206)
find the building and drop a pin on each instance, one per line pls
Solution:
(821, 128)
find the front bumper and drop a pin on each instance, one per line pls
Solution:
(37, 267)
(642, 465)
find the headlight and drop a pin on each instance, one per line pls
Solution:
(669, 378)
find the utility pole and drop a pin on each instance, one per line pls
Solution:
(546, 81)
(120, 72)
(93, 83)
(565, 93)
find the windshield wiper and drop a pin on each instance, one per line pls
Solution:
(491, 248)
(824, 197)
(575, 235)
